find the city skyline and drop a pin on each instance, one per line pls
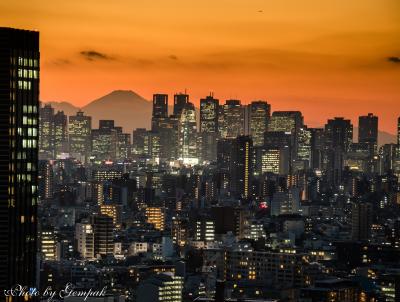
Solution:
(232, 151)
(315, 58)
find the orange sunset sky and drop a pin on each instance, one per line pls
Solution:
(325, 58)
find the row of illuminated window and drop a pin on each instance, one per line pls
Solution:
(29, 109)
(27, 62)
(29, 143)
(24, 85)
(29, 120)
(30, 131)
(28, 73)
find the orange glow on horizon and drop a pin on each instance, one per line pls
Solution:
(325, 59)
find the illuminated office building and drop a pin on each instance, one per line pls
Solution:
(151, 146)
(259, 114)
(233, 120)
(104, 141)
(241, 166)
(45, 179)
(304, 147)
(79, 131)
(271, 159)
(123, 145)
(46, 131)
(60, 134)
(138, 137)
(187, 135)
(19, 106)
(209, 108)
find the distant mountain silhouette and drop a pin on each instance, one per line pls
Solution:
(127, 108)
(131, 111)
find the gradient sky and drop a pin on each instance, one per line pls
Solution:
(325, 58)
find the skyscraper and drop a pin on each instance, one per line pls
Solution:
(339, 133)
(104, 141)
(60, 133)
(209, 109)
(233, 119)
(19, 106)
(259, 113)
(209, 115)
(160, 105)
(242, 166)
(187, 135)
(46, 130)
(80, 128)
(180, 101)
(368, 132)
(338, 138)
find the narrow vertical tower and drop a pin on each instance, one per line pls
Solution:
(19, 102)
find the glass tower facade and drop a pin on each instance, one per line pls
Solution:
(19, 102)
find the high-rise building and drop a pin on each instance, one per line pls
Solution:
(160, 105)
(80, 128)
(45, 179)
(304, 147)
(339, 133)
(233, 119)
(151, 146)
(161, 287)
(104, 141)
(241, 167)
(338, 138)
(46, 131)
(209, 115)
(60, 134)
(209, 110)
(368, 132)
(187, 135)
(123, 145)
(259, 114)
(180, 101)
(317, 147)
(138, 137)
(19, 106)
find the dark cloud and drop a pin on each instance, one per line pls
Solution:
(173, 57)
(92, 55)
(395, 60)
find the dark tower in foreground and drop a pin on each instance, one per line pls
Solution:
(19, 102)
